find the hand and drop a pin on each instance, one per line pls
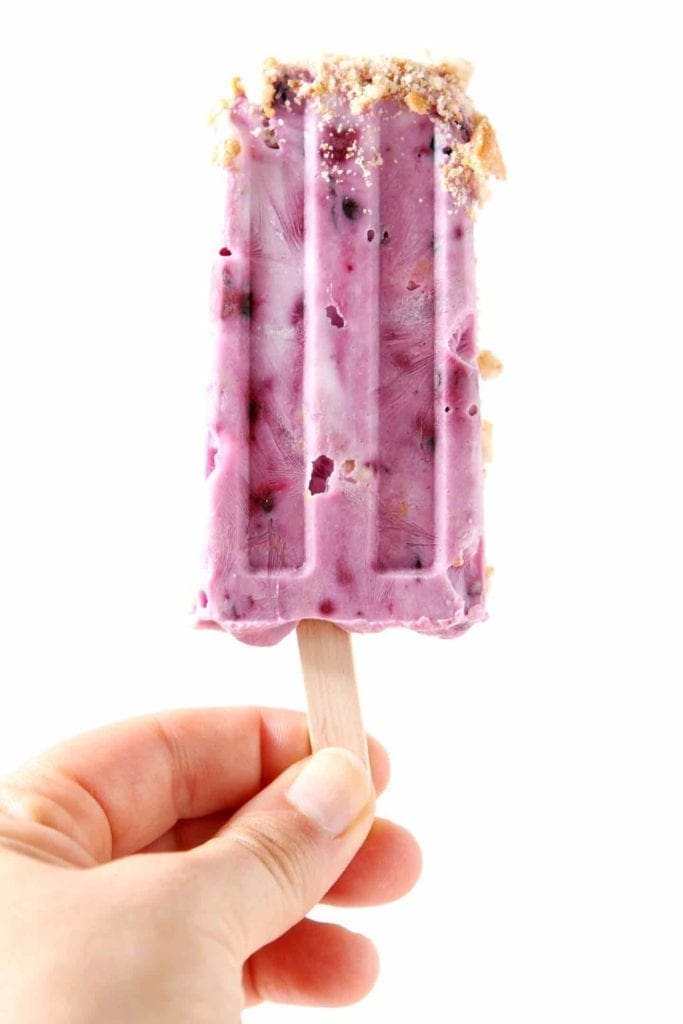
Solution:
(160, 870)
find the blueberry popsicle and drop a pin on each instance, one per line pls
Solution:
(344, 459)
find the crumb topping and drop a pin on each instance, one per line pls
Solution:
(489, 365)
(416, 102)
(226, 152)
(436, 91)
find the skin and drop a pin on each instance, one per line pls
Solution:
(157, 870)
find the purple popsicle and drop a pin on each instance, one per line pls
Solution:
(344, 467)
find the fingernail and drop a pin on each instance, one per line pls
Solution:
(332, 789)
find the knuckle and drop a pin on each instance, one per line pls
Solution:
(30, 806)
(283, 856)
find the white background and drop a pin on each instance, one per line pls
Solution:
(538, 759)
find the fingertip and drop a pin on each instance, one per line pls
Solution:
(367, 968)
(411, 857)
(333, 791)
(385, 869)
(313, 964)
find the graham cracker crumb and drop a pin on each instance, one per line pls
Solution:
(417, 103)
(484, 155)
(343, 88)
(489, 365)
(226, 152)
(487, 440)
(270, 77)
(461, 70)
(488, 578)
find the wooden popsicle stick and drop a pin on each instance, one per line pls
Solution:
(334, 715)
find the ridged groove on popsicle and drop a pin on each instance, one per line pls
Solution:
(275, 313)
(227, 458)
(456, 400)
(341, 359)
(407, 433)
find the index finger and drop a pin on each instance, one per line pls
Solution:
(117, 789)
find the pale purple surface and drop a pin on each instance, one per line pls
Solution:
(345, 324)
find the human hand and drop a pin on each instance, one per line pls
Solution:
(160, 870)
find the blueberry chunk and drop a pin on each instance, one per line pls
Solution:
(322, 471)
(350, 208)
(246, 305)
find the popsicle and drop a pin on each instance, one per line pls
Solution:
(344, 459)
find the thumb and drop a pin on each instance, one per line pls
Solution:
(278, 856)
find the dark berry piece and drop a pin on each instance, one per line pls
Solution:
(269, 138)
(371, 235)
(465, 131)
(473, 410)
(447, 150)
(298, 311)
(326, 607)
(424, 424)
(385, 237)
(282, 93)
(338, 145)
(350, 208)
(224, 251)
(458, 231)
(334, 316)
(264, 499)
(246, 305)
(431, 143)
(417, 562)
(322, 471)
(254, 409)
